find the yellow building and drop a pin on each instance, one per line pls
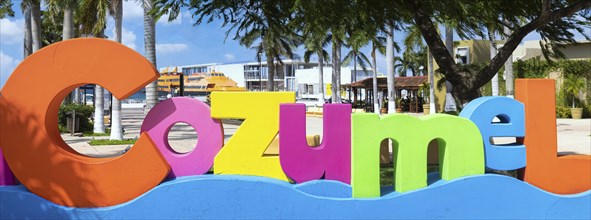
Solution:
(466, 52)
(197, 84)
(478, 51)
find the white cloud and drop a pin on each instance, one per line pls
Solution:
(7, 65)
(132, 10)
(11, 31)
(127, 38)
(229, 56)
(164, 20)
(171, 48)
(188, 16)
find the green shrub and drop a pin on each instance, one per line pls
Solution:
(62, 128)
(562, 112)
(587, 111)
(532, 68)
(83, 112)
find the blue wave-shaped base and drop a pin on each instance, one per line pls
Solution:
(225, 196)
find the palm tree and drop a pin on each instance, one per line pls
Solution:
(332, 18)
(432, 109)
(93, 19)
(116, 129)
(356, 40)
(94, 16)
(26, 6)
(414, 39)
(150, 50)
(35, 6)
(390, 68)
(267, 23)
(263, 22)
(493, 53)
(315, 42)
(67, 6)
(508, 70)
(449, 44)
(377, 43)
(337, 36)
(449, 38)
(68, 32)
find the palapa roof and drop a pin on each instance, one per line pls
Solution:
(406, 82)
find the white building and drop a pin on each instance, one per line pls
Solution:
(292, 75)
(253, 75)
(308, 80)
(532, 48)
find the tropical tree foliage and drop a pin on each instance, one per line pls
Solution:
(93, 19)
(411, 61)
(356, 41)
(315, 40)
(261, 25)
(551, 19)
(6, 9)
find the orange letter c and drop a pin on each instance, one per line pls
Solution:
(30, 139)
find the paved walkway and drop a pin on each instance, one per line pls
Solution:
(574, 136)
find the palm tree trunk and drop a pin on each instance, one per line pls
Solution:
(99, 123)
(150, 51)
(376, 103)
(336, 69)
(321, 77)
(354, 73)
(449, 44)
(495, 79)
(67, 34)
(270, 72)
(28, 40)
(449, 39)
(68, 23)
(36, 26)
(390, 70)
(116, 129)
(99, 99)
(509, 72)
(431, 84)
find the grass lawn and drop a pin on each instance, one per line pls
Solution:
(92, 134)
(387, 173)
(98, 142)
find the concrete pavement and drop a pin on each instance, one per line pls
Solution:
(574, 136)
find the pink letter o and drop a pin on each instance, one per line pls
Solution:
(163, 116)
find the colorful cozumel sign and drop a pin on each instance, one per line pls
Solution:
(349, 153)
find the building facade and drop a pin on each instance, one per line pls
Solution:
(253, 75)
(478, 51)
(291, 75)
(308, 81)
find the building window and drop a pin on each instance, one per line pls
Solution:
(310, 89)
(462, 55)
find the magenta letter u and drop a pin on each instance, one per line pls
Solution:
(6, 178)
(332, 158)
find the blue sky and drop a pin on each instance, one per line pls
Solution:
(177, 43)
